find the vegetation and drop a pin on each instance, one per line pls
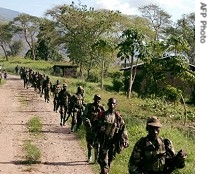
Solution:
(35, 125)
(33, 153)
(98, 42)
(134, 111)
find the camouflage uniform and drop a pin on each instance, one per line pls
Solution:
(153, 154)
(63, 102)
(55, 90)
(112, 136)
(90, 116)
(77, 107)
(47, 86)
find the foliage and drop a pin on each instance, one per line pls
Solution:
(117, 81)
(134, 111)
(159, 19)
(33, 154)
(172, 93)
(35, 125)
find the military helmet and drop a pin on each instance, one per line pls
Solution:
(153, 121)
(79, 88)
(97, 97)
(112, 101)
(64, 85)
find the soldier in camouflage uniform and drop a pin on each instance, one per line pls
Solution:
(90, 117)
(55, 90)
(47, 86)
(63, 102)
(77, 107)
(153, 154)
(112, 136)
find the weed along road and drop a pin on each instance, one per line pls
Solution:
(51, 150)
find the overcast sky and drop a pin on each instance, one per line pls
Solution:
(37, 7)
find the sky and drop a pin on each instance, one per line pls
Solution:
(37, 7)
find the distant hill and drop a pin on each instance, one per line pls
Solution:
(7, 15)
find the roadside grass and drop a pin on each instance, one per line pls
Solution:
(134, 111)
(33, 154)
(35, 125)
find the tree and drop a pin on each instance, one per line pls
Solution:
(185, 28)
(5, 38)
(177, 45)
(159, 19)
(104, 51)
(79, 28)
(28, 26)
(133, 47)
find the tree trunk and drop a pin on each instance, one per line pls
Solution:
(131, 77)
(5, 53)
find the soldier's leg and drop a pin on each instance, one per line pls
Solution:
(79, 119)
(54, 104)
(89, 147)
(74, 121)
(57, 104)
(103, 161)
(61, 116)
(64, 115)
(48, 95)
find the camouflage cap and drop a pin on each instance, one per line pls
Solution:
(153, 121)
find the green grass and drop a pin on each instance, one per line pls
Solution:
(35, 125)
(32, 152)
(134, 111)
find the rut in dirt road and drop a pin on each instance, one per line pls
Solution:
(61, 152)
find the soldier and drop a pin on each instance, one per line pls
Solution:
(153, 154)
(47, 86)
(55, 90)
(63, 102)
(17, 69)
(90, 116)
(112, 136)
(77, 107)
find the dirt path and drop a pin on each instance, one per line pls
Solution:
(61, 152)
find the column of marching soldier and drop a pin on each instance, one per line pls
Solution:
(106, 133)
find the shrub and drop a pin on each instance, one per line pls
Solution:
(33, 154)
(35, 125)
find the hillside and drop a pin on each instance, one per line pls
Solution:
(7, 15)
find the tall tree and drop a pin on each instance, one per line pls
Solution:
(28, 26)
(104, 49)
(5, 38)
(79, 28)
(133, 47)
(159, 19)
(185, 28)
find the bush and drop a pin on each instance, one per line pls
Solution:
(35, 125)
(33, 154)
(172, 93)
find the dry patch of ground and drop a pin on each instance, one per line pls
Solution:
(60, 151)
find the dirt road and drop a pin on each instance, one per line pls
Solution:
(60, 151)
